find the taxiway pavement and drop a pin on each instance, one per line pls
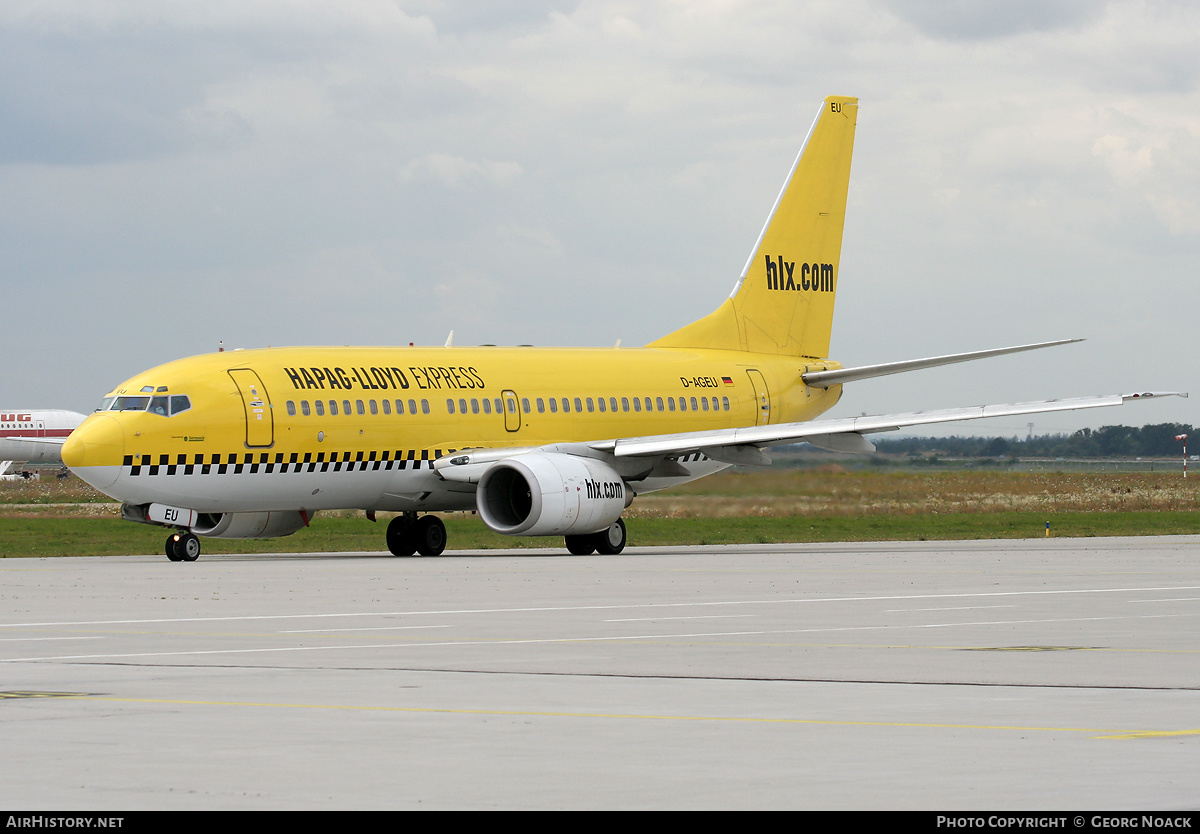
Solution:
(1025, 675)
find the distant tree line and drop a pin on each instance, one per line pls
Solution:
(1108, 441)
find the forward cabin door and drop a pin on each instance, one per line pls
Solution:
(762, 396)
(260, 425)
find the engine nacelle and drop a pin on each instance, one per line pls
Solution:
(250, 525)
(550, 494)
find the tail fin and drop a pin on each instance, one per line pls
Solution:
(783, 301)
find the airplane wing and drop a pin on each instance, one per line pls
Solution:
(818, 432)
(37, 442)
(744, 445)
(38, 449)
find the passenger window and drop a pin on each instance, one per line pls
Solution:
(566, 405)
(291, 408)
(541, 404)
(704, 403)
(658, 403)
(525, 404)
(450, 406)
(320, 408)
(375, 408)
(578, 406)
(487, 406)
(601, 400)
(424, 406)
(387, 406)
(333, 407)
(462, 406)
(346, 408)
(637, 404)
(670, 403)
(304, 407)
(474, 405)
(553, 405)
(724, 403)
(359, 404)
(412, 407)
(693, 403)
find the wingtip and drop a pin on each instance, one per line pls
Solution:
(1146, 395)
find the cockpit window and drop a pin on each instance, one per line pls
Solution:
(163, 405)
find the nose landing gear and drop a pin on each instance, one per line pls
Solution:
(183, 546)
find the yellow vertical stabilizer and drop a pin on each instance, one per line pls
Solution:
(783, 301)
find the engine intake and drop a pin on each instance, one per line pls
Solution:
(550, 494)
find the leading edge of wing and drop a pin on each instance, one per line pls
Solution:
(38, 443)
(772, 435)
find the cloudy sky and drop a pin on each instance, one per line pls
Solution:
(173, 175)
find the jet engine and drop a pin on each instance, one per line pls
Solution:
(550, 494)
(250, 525)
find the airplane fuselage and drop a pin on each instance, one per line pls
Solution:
(338, 428)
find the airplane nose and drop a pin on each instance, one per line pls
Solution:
(94, 450)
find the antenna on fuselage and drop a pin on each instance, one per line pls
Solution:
(450, 339)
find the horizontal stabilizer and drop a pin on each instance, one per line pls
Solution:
(823, 379)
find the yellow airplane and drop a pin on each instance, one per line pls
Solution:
(540, 442)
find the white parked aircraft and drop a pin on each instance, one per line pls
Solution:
(34, 436)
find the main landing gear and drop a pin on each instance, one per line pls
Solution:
(407, 534)
(608, 542)
(183, 546)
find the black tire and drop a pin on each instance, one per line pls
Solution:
(171, 552)
(188, 547)
(400, 538)
(610, 542)
(581, 545)
(430, 535)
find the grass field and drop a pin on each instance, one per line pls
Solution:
(50, 518)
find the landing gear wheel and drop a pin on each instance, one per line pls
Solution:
(400, 538)
(183, 547)
(610, 542)
(581, 545)
(430, 535)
